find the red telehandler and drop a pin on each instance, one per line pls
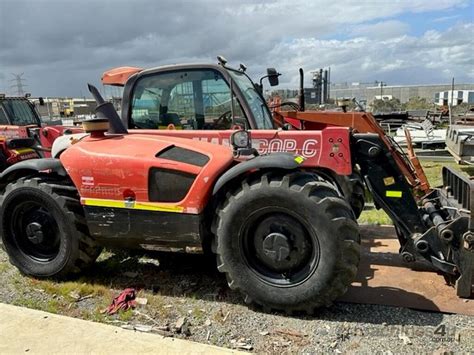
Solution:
(282, 231)
(22, 134)
(205, 101)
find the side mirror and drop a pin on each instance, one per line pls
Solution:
(41, 101)
(241, 142)
(273, 75)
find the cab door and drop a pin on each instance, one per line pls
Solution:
(188, 99)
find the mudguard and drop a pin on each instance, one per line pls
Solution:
(35, 165)
(285, 161)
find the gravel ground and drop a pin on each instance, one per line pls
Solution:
(177, 286)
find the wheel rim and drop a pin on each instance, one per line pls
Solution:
(35, 231)
(279, 247)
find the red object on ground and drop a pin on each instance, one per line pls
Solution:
(124, 301)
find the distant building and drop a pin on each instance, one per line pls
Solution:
(65, 107)
(454, 98)
(368, 92)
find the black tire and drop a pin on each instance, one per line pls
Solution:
(44, 230)
(318, 253)
(352, 188)
(357, 196)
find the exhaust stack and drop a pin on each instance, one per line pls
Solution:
(301, 91)
(106, 110)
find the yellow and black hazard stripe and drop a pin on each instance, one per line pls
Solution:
(134, 205)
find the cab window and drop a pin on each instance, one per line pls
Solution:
(190, 99)
(20, 112)
(3, 116)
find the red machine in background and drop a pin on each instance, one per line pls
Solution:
(22, 134)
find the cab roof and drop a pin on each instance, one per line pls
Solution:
(119, 76)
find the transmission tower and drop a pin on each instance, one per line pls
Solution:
(18, 86)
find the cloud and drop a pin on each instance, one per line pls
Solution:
(61, 45)
(431, 58)
(446, 18)
(382, 30)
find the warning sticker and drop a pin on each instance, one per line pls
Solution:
(88, 181)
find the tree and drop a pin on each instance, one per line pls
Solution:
(417, 103)
(391, 105)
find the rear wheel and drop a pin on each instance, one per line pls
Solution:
(44, 230)
(287, 242)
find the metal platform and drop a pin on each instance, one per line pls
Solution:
(460, 143)
(385, 279)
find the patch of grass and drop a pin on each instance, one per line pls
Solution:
(433, 171)
(373, 216)
(4, 267)
(68, 290)
(29, 302)
(18, 281)
(198, 314)
(53, 306)
(157, 303)
(125, 316)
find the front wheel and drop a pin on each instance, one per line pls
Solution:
(287, 242)
(44, 231)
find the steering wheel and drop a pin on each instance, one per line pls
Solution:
(224, 119)
(145, 124)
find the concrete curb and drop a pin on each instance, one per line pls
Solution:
(24, 330)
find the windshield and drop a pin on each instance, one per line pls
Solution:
(20, 112)
(262, 116)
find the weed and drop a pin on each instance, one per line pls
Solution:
(125, 316)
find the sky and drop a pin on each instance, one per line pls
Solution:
(61, 45)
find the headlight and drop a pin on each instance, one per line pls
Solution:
(241, 140)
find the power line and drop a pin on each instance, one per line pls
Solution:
(18, 85)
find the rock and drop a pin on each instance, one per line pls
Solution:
(75, 295)
(457, 336)
(182, 326)
(143, 328)
(185, 329)
(243, 345)
(141, 301)
(405, 338)
(163, 328)
(145, 260)
(264, 333)
(208, 322)
(179, 323)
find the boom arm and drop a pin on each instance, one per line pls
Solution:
(364, 122)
